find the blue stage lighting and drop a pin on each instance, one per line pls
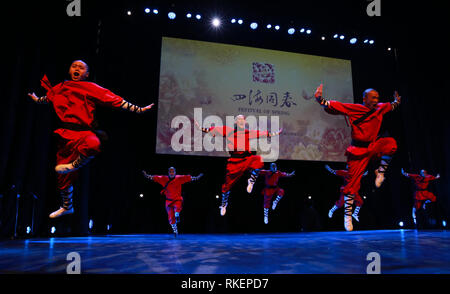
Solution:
(291, 31)
(400, 224)
(215, 22)
(155, 11)
(277, 27)
(341, 37)
(269, 26)
(253, 25)
(308, 32)
(233, 20)
(188, 15)
(198, 16)
(335, 36)
(353, 40)
(302, 30)
(171, 15)
(147, 10)
(240, 21)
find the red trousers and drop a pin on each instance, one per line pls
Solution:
(173, 206)
(422, 196)
(85, 143)
(358, 158)
(269, 193)
(236, 167)
(358, 200)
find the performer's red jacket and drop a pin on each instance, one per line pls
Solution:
(173, 190)
(75, 102)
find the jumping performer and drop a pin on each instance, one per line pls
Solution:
(271, 189)
(365, 120)
(241, 159)
(74, 102)
(172, 191)
(421, 195)
(343, 173)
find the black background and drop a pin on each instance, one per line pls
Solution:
(123, 53)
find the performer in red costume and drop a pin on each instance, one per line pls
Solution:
(242, 158)
(74, 102)
(365, 120)
(343, 173)
(271, 189)
(172, 190)
(421, 196)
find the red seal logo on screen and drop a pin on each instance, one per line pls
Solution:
(263, 73)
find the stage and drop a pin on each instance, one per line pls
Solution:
(338, 252)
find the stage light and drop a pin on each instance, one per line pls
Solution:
(341, 37)
(52, 230)
(253, 25)
(108, 227)
(147, 10)
(353, 40)
(91, 224)
(400, 224)
(215, 22)
(444, 223)
(198, 16)
(171, 15)
(302, 30)
(371, 41)
(309, 197)
(269, 26)
(155, 11)
(277, 27)
(240, 21)
(188, 15)
(366, 41)
(308, 32)
(364, 197)
(291, 31)
(389, 49)
(217, 196)
(29, 229)
(129, 12)
(335, 36)
(141, 195)
(323, 38)
(233, 20)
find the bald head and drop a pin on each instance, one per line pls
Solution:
(370, 98)
(79, 70)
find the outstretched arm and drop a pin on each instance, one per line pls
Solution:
(193, 179)
(318, 94)
(147, 176)
(405, 173)
(397, 100)
(330, 169)
(39, 100)
(134, 108)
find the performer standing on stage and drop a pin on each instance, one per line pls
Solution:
(343, 173)
(242, 159)
(74, 102)
(271, 189)
(365, 120)
(421, 196)
(172, 191)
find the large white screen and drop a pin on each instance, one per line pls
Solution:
(226, 80)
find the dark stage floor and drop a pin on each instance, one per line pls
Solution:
(401, 252)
